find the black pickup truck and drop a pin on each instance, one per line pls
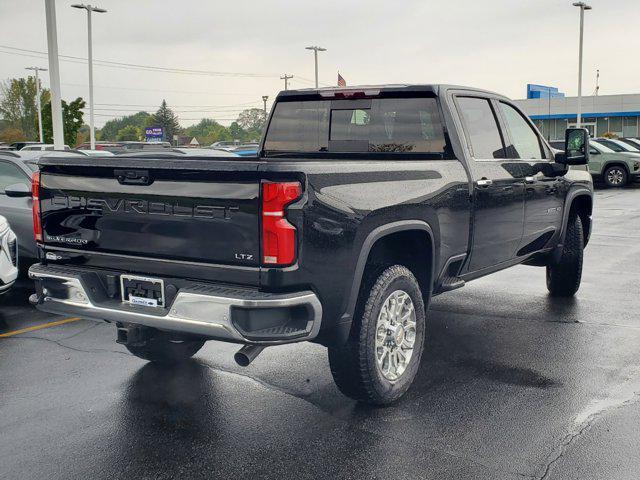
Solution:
(362, 203)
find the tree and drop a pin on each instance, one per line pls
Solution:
(128, 133)
(71, 118)
(166, 119)
(110, 130)
(252, 119)
(208, 131)
(10, 135)
(236, 131)
(18, 104)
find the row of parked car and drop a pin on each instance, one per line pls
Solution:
(117, 148)
(615, 162)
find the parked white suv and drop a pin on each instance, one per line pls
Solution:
(8, 256)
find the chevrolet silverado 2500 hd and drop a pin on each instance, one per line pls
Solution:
(361, 204)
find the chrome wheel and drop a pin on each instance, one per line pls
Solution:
(616, 176)
(395, 335)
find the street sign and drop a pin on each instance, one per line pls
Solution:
(154, 134)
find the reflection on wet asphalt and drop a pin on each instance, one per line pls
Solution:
(513, 384)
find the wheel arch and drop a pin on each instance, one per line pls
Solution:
(615, 163)
(375, 242)
(580, 202)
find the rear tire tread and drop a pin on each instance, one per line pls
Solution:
(353, 367)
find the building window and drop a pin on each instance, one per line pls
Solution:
(602, 126)
(560, 129)
(630, 127)
(615, 126)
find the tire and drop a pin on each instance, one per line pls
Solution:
(563, 277)
(355, 366)
(615, 176)
(162, 348)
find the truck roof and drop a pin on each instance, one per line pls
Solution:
(375, 90)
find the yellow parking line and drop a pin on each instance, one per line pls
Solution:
(40, 327)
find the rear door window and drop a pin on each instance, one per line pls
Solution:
(524, 139)
(481, 127)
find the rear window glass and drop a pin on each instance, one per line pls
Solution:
(409, 125)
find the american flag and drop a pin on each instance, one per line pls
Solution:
(341, 81)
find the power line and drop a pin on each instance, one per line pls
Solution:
(178, 106)
(107, 63)
(135, 66)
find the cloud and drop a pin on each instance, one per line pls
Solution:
(495, 44)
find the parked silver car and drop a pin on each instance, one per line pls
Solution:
(15, 200)
(8, 256)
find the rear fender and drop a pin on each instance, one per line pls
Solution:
(344, 325)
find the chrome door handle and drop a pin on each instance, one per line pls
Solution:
(484, 183)
(529, 180)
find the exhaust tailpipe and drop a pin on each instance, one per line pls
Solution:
(248, 354)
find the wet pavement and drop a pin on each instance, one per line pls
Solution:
(514, 384)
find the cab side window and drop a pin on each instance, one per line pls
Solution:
(10, 175)
(524, 139)
(481, 126)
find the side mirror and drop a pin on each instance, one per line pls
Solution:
(576, 147)
(18, 190)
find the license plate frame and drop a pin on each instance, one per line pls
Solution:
(146, 300)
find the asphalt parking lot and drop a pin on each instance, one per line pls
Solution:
(514, 384)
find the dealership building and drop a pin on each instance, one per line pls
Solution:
(553, 112)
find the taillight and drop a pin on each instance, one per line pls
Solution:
(35, 196)
(278, 235)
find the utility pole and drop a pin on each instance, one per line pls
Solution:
(89, 9)
(597, 81)
(264, 101)
(315, 56)
(286, 80)
(583, 6)
(54, 75)
(38, 104)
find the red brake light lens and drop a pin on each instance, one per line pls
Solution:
(278, 235)
(35, 196)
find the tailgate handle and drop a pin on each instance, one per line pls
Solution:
(133, 177)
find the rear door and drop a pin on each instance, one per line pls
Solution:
(498, 185)
(545, 189)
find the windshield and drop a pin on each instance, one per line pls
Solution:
(384, 125)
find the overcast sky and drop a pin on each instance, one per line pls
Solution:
(500, 45)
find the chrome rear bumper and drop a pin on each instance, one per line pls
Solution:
(215, 312)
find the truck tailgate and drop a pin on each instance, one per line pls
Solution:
(204, 211)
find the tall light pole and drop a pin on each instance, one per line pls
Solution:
(583, 6)
(264, 101)
(38, 104)
(315, 55)
(89, 9)
(54, 75)
(286, 78)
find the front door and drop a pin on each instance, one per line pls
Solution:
(498, 204)
(545, 188)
